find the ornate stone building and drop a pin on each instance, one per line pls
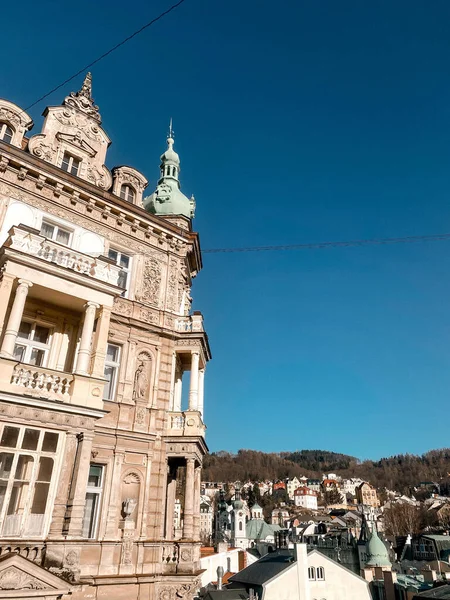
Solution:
(99, 446)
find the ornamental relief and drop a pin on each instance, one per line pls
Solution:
(67, 116)
(150, 291)
(10, 116)
(16, 579)
(172, 284)
(38, 146)
(46, 416)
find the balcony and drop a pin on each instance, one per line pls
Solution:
(191, 324)
(48, 384)
(28, 241)
(186, 423)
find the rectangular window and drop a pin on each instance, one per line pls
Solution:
(93, 500)
(112, 364)
(27, 459)
(70, 163)
(123, 261)
(32, 344)
(55, 233)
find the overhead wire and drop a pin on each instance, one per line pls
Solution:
(336, 244)
(108, 52)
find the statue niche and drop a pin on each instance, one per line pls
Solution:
(142, 375)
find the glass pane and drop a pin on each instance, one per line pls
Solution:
(41, 334)
(123, 192)
(24, 330)
(45, 468)
(62, 236)
(75, 165)
(50, 442)
(130, 195)
(109, 385)
(40, 498)
(112, 353)
(47, 230)
(19, 353)
(113, 255)
(30, 439)
(9, 437)
(24, 467)
(122, 279)
(6, 460)
(124, 261)
(65, 162)
(89, 515)
(37, 357)
(95, 476)
(3, 486)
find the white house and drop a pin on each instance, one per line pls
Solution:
(305, 498)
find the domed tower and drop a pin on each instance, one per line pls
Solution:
(257, 511)
(238, 521)
(377, 556)
(168, 200)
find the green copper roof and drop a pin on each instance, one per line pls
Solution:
(257, 529)
(377, 553)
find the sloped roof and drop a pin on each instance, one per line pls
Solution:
(266, 568)
(257, 529)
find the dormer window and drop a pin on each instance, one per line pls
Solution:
(127, 193)
(6, 133)
(70, 164)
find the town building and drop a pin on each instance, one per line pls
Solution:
(98, 340)
(291, 486)
(314, 484)
(206, 521)
(366, 494)
(305, 498)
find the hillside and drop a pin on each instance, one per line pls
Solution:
(398, 473)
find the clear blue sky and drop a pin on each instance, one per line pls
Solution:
(295, 122)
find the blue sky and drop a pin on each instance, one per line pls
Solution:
(295, 122)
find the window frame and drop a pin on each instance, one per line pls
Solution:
(4, 129)
(29, 344)
(98, 491)
(56, 228)
(311, 573)
(36, 454)
(127, 270)
(116, 366)
(70, 163)
(127, 193)
(320, 574)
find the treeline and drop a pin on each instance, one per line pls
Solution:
(399, 473)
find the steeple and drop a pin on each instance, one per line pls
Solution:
(167, 199)
(83, 100)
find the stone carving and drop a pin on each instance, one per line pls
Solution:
(140, 415)
(83, 100)
(186, 555)
(149, 316)
(127, 550)
(131, 478)
(170, 553)
(16, 579)
(10, 117)
(188, 589)
(151, 283)
(39, 148)
(171, 295)
(72, 559)
(166, 593)
(123, 307)
(140, 383)
(101, 179)
(128, 506)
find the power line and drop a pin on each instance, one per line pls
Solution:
(107, 53)
(318, 245)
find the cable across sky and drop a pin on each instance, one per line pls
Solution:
(442, 237)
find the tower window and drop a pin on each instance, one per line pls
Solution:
(70, 164)
(6, 133)
(127, 193)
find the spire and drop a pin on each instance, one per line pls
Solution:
(171, 132)
(83, 100)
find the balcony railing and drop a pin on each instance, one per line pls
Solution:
(27, 240)
(192, 323)
(42, 382)
(187, 423)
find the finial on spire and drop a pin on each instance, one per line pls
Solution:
(171, 133)
(83, 101)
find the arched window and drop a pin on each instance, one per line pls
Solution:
(240, 525)
(127, 193)
(320, 573)
(6, 133)
(311, 573)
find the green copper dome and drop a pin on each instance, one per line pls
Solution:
(377, 553)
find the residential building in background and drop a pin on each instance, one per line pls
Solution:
(305, 498)
(100, 456)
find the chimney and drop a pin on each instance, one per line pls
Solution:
(390, 579)
(301, 558)
(429, 576)
(219, 577)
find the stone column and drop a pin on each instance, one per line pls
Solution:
(172, 381)
(188, 529)
(201, 391)
(101, 342)
(77, 496)
(178, 392)
(170, 504)
(62, 492)
(193, 390)
(5, 294)
(113, 505)
(15, 317)
(84, 350)
(197, 483)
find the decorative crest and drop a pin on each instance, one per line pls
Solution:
(83, 101)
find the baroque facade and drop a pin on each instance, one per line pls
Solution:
(99, 446)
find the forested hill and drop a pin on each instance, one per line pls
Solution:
(398, 473)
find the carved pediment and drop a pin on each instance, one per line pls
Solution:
(78, 142)
(18, 574)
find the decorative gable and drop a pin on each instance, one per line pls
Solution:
(18, 574)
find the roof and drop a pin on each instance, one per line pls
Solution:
(257, 529)
(226, 595)
(265, 569)
(442, 592)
